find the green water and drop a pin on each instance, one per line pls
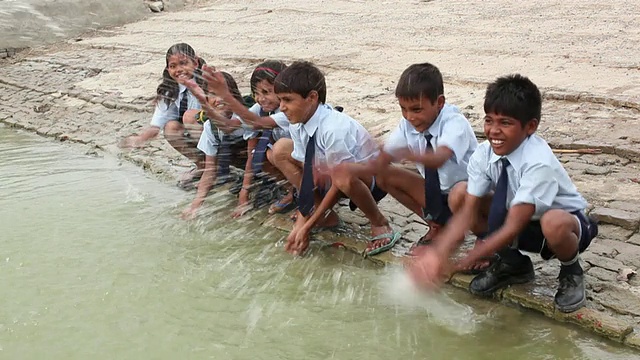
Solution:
(96, 264)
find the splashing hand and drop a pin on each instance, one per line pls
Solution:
(215, 81)
(428, 268)
(189, 213)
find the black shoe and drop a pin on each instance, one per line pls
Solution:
(570, 296)
(500, 275)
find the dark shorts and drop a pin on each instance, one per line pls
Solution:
(532, 239)
(377, 193)
(446, 212)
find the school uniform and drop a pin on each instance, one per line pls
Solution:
(212, 140)
(337, 138)
(450, 129)
(268, 137)
(533, 176)
(176, 109)
(278, 132)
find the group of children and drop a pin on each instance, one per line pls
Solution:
(510, 190)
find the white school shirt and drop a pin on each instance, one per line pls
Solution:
(279, 132)
(535, 177)
(338, 138)
(165, 113)
(450, 129)
(208, 142)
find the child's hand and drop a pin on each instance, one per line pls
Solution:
(215, 81)
(189, 213)
(428, 268)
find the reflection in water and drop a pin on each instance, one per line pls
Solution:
(95, 263)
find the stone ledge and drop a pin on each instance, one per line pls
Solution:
(625, 219)
(536, 296)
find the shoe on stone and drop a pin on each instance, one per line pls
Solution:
(500, 275)
(571, 295)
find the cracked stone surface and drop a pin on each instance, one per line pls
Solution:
(99, 90)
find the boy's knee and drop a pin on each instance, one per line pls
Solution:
(341, 177)
(457, 195)
(282, 150)
(558, 224)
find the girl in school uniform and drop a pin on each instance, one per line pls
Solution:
(173, 100)
(222, 140)
(269, 123)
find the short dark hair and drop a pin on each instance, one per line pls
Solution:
(267, 70)
(301, 78)
(515, 96)
(420, 80)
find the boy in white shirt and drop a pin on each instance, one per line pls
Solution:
(534, 205)
(325, 144)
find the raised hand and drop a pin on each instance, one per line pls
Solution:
(215, 81)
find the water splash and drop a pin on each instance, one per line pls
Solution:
(399, 290)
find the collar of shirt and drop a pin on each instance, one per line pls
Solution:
(312, 125)
(515, 157)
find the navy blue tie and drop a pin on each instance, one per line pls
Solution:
(432, 193)
(260, 150)
(498, 209)
(305, 199)
(184, 105)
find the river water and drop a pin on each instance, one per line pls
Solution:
(96, 264)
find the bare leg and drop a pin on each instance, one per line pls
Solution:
(174, 133)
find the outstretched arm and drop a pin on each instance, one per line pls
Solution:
(218, 85)
(222, 122)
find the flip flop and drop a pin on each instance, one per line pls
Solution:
(393, 237)
(280, 207)
(189, 179)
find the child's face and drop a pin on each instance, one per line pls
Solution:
(421, 113)
(266, 97)
(297, 108)
(181, 67)
(505, 133)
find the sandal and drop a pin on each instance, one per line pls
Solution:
(189, 179)
(393, 237)
(425, 240)
(280, 206)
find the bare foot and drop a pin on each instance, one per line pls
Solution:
(330, 220)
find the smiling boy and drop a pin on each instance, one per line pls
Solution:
(534, 206)
(437, 137)
(325, 145)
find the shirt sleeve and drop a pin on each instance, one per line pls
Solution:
(455, 136)
(281, 120)
(208, 143)
(164, 113)
(538, 186)
(339, 147)
(396, 141)
(479, 182)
